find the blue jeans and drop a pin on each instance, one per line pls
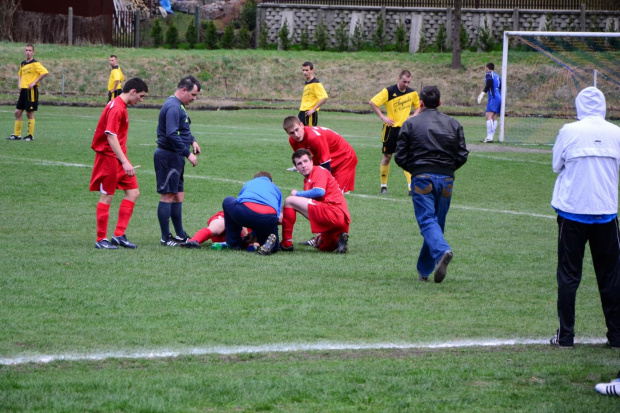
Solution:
(237, 215)
(431, 194)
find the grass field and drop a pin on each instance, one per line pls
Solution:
(161, 330)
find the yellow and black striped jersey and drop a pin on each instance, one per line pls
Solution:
(313, 92)
(29, 71)
(397, 104)
(116, 75)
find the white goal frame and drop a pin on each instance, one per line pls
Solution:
(507, 34)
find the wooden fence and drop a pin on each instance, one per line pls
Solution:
(468, 4)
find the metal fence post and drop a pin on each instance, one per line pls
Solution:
(70, 27)
(136, 30)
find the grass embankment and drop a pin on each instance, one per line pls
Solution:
(256, 78)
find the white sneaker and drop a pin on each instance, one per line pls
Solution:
(292, 169)
(609, 389)
(487, 140)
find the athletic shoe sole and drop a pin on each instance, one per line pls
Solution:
(267, 247)
(442, 267)
(343, 243)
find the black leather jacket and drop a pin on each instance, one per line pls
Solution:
(431, 142)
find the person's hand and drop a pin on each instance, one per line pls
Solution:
(192, 159)
(196, 148)
(294, 192)
(128, 168)
(388, 121)
(310, 112)
(480, 96)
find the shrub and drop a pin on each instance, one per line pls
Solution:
(424, 45)
(211, 37)
(464, 38)
(228, 39)
(243, 37)
(342, 38)
(357, 40)
(304, 39)
(172, 36)
(486, 41)
(157, 34)
(320, 36)
(379, 37)
(263, 38)
(441, 39)
(284, 36)
(400, 38)
(191, 35)
(248, 14)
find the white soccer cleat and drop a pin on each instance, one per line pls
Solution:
(487, 140)
(609, 389)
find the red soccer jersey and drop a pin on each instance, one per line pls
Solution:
(325, 145)
(114, 120)
(321, 178)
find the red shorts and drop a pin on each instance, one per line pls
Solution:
(217, 238)
(109, 175)
(345, 176)
(329, 221)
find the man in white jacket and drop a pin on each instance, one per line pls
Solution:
(586, 155)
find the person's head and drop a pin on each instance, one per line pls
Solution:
(265, 174)
(430, 97)
(590, 102)
(113, 60)
(302, 159)
(134, 91)
(307, 69)
(29, 51)
(403, 80)
(294, 128)
(187, 90)
(490, 67)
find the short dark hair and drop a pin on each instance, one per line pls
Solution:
(404, 73)
(430, 96)
(135, 83)
(309, 64)
(30, 45)
(491, 66)
(263, 173)
(290, 121)
(299, 153)
(113, 55)
(188, 82)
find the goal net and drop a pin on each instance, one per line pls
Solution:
(542, 73)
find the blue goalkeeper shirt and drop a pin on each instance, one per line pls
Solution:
(493, 85)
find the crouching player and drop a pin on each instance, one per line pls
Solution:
(321, 202)
(112, 169)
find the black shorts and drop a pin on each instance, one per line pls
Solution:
(311, 120)
(114, 93)
(390, 136)
(28, 99)
(169, 168)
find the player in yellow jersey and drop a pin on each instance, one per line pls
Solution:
(398, 100)
(30, 74)
(115, 86)
(313, 97)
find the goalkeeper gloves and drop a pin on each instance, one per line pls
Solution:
(480, 96)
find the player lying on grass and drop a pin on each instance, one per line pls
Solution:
(321, 202)
(215, 230)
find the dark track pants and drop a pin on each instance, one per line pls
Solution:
(605, 249)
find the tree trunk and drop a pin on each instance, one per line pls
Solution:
(456, 35)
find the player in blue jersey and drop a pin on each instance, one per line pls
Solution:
(492, 87)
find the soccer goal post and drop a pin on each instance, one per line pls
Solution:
(542, 73)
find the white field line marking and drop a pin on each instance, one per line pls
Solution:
(271, 348)
(374, 197)
(499, 158)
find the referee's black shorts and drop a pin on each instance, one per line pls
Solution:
(169, 169)
(28, 99)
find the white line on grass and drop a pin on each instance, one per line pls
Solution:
(272, 348)
(211, 178)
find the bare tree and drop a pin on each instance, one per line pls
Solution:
(7, 11)
(456, 31)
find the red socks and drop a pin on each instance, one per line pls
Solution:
(103, 213)
(289, 216)
(124, 215)
(202, 235)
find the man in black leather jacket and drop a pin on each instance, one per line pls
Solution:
(431, 146)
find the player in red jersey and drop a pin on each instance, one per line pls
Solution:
(321, 202)
(329, 150)
(112, 169)
(215, 230)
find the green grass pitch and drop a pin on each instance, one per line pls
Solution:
(61, 297)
